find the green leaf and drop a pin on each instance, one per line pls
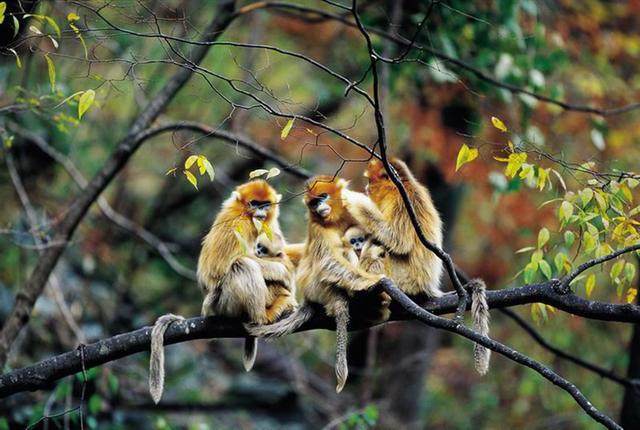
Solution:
(53, 24)
(629, 272)
(3, 8)
(586, 195)
(52, 72)
(191, 178)
(537, 256)
(4, 424)
(113, 383)
(543, 237)
(565, 211)
(530, 272)
(631, 295)
(287, 128)
(545, 268)
(86, 100)
(590, 284)
(72, 17)
(95, 404)
(569, 238)
(465, 155)
(616, 269)
(559, 260)
(244, 246)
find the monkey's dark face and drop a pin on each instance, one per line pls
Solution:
(324, 198)
(258, 199)
(357, 243)
(319, 205)
(261, 250)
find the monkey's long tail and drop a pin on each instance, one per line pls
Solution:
(284, 326)
(480, 314)
(250, 352)
(156, 362)
(342, 321)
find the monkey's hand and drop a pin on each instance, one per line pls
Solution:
(274, 271)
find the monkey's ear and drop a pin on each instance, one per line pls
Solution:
(278, 197)
(236, 195)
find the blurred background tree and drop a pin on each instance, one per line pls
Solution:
(76, 75)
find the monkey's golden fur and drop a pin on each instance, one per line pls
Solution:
(233, 280)
(413, 268)
(324, 274)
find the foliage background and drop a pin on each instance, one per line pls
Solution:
(583, 52)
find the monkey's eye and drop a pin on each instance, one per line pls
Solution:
(353, 241)
(324, 196)
(259, 204)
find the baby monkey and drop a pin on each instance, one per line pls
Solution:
(281, 296)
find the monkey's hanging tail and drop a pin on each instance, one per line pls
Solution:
(250, 352)
(284, 326)
(156, 362)
(341, 309)
(480, 314)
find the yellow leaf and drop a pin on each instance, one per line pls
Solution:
(565, 211)
(287, 128)
(497, 123)
(86, 100)
(171, 171)
(631, 294)
(52, 72)
(543, 177)
(465, 155)
(72, 17)
(504, 160)
(555, 172)
(267, 230)
(189, 161)
(274, 171)
(3, 7)
(511, 147)
(35, 30)
(590, 284)
(257, 173)
(191, 178)
(515, 162)
(208, 168)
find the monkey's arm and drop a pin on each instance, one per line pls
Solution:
(274, 271)
(393, 236)
(337, 270)
(295, 251)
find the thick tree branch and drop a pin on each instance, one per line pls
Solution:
(28, 294)
(44, 373)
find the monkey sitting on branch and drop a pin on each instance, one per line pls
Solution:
(324, 274)
(234, 280)
(415, 269)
